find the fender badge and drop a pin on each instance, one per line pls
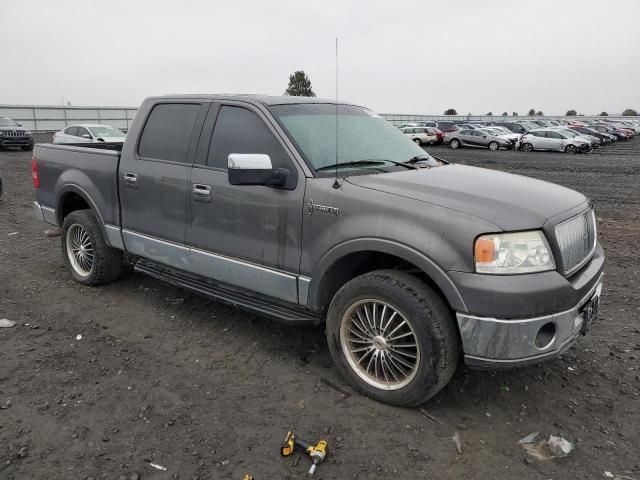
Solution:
(321, 208)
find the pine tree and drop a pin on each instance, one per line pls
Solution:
(299, 85)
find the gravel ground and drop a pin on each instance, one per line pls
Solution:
(165, 377)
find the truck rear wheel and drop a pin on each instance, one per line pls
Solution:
(392, 337)
(89, 259)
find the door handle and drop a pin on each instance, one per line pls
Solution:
(201, 193)
(131, 180)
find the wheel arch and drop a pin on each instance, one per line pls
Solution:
(71, 198)
(356, 257)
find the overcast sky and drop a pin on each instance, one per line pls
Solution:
(395, 56)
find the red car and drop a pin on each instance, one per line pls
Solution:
(439, 134)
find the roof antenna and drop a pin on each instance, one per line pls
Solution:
(336, 184)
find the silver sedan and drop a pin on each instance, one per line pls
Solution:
(476, 138)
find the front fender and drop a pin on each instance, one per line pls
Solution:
(421, 261)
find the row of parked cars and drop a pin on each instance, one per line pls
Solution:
(570, 136)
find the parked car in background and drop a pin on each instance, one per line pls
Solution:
(89, 133)
(605, 138)
(594, 142)
(498, 132)
(555, 140)
(438, 133)
(405, 125)
(446, 127)
(528, 125)
(420, 135)
(427, 123)
(476, 138)
(13, 134)
(610, 129)
(511, 126)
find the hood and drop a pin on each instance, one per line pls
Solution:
(13, 128)
(511, 202)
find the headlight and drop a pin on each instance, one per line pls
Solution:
(27, 132)
(513, 253)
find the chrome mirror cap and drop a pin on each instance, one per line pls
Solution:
(249, 161)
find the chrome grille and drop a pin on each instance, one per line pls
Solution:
(13, 133)
(577, 240)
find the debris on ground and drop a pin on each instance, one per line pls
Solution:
(456, 442)
(428, 415)
(78, 337)
(559, 446)
(5, 405)
(158, 467)
(175, 301)
(544, 450)
(528, 439)
(6, 323)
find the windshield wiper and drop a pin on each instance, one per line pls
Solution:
(420, 158)
(363, 163)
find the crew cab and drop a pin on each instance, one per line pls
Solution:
(415, 264)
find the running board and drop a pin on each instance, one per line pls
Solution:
(285, 313)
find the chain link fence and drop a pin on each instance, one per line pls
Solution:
(50, 118)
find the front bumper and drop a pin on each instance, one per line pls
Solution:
(494, 343)
(16, 141)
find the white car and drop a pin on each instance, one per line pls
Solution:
(89, 133)
(550, 139)
(502, 133)
(421, 135)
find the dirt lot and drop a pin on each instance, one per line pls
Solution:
(208, 392)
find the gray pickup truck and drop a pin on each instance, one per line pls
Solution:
(308, 211)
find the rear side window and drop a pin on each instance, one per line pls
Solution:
(167, 131)
(72, 131)
(82, 131)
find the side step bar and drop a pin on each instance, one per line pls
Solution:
(285, 313)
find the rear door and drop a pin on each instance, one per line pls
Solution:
(154, 182)
(245, 235)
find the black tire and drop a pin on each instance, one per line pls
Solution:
(527, 147)
(107, 262)
(418, 141)
(494, 146)
(430, 319)
(570, 149)
(455, 143)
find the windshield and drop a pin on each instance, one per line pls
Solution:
(7, 122)
(362, 135)
(106, 132)
(569, 133)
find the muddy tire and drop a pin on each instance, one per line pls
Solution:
(393, 337)
(89, 259)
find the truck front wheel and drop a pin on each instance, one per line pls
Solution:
(89, 259)
(392, 337)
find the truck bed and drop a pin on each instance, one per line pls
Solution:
(91, 170)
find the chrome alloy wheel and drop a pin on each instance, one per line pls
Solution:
(79, 250)
(379, 344)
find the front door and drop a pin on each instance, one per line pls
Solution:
(154, 183)
(245, 235)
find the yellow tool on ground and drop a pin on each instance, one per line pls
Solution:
(316, 452)
(247, 477)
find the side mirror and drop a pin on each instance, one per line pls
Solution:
(87, 136)
(254, 169)
(19, 124)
